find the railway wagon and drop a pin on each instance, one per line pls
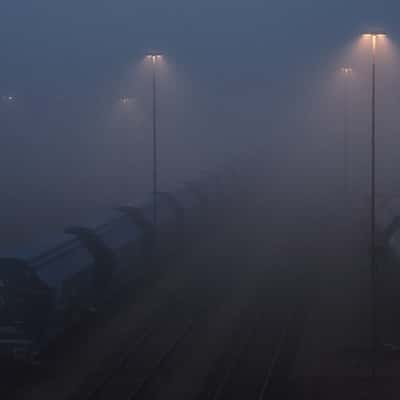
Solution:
(44, 294)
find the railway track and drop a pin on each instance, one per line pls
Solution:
(128, 372)
(257, 362)
(254, 364)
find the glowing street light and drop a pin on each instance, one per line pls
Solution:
(125, 100)
(347, 74)
(155, 58)
(347, 70)
(373, 36)
(8, 99)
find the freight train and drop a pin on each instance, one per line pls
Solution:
(41, 296)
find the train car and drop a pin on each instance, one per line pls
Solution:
(387, 273)
(42, 295)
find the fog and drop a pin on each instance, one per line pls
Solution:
(239, 81)
(265, 261)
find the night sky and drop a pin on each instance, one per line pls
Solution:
(51, 45)
(239, 70)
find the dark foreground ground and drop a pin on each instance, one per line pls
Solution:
(270, 305)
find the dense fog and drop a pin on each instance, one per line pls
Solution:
(239, 83)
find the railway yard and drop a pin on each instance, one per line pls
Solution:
(261, 308)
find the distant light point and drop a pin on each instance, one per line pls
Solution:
(125, 100)
(8, 99)
(154, 56)
(347, 70)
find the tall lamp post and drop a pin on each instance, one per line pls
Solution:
(155, 57)
(373, 36)
(347, 73)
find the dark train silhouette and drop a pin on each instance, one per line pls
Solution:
(42, 296)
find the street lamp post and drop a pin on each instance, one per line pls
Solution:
(374, 270)
(154, 57)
